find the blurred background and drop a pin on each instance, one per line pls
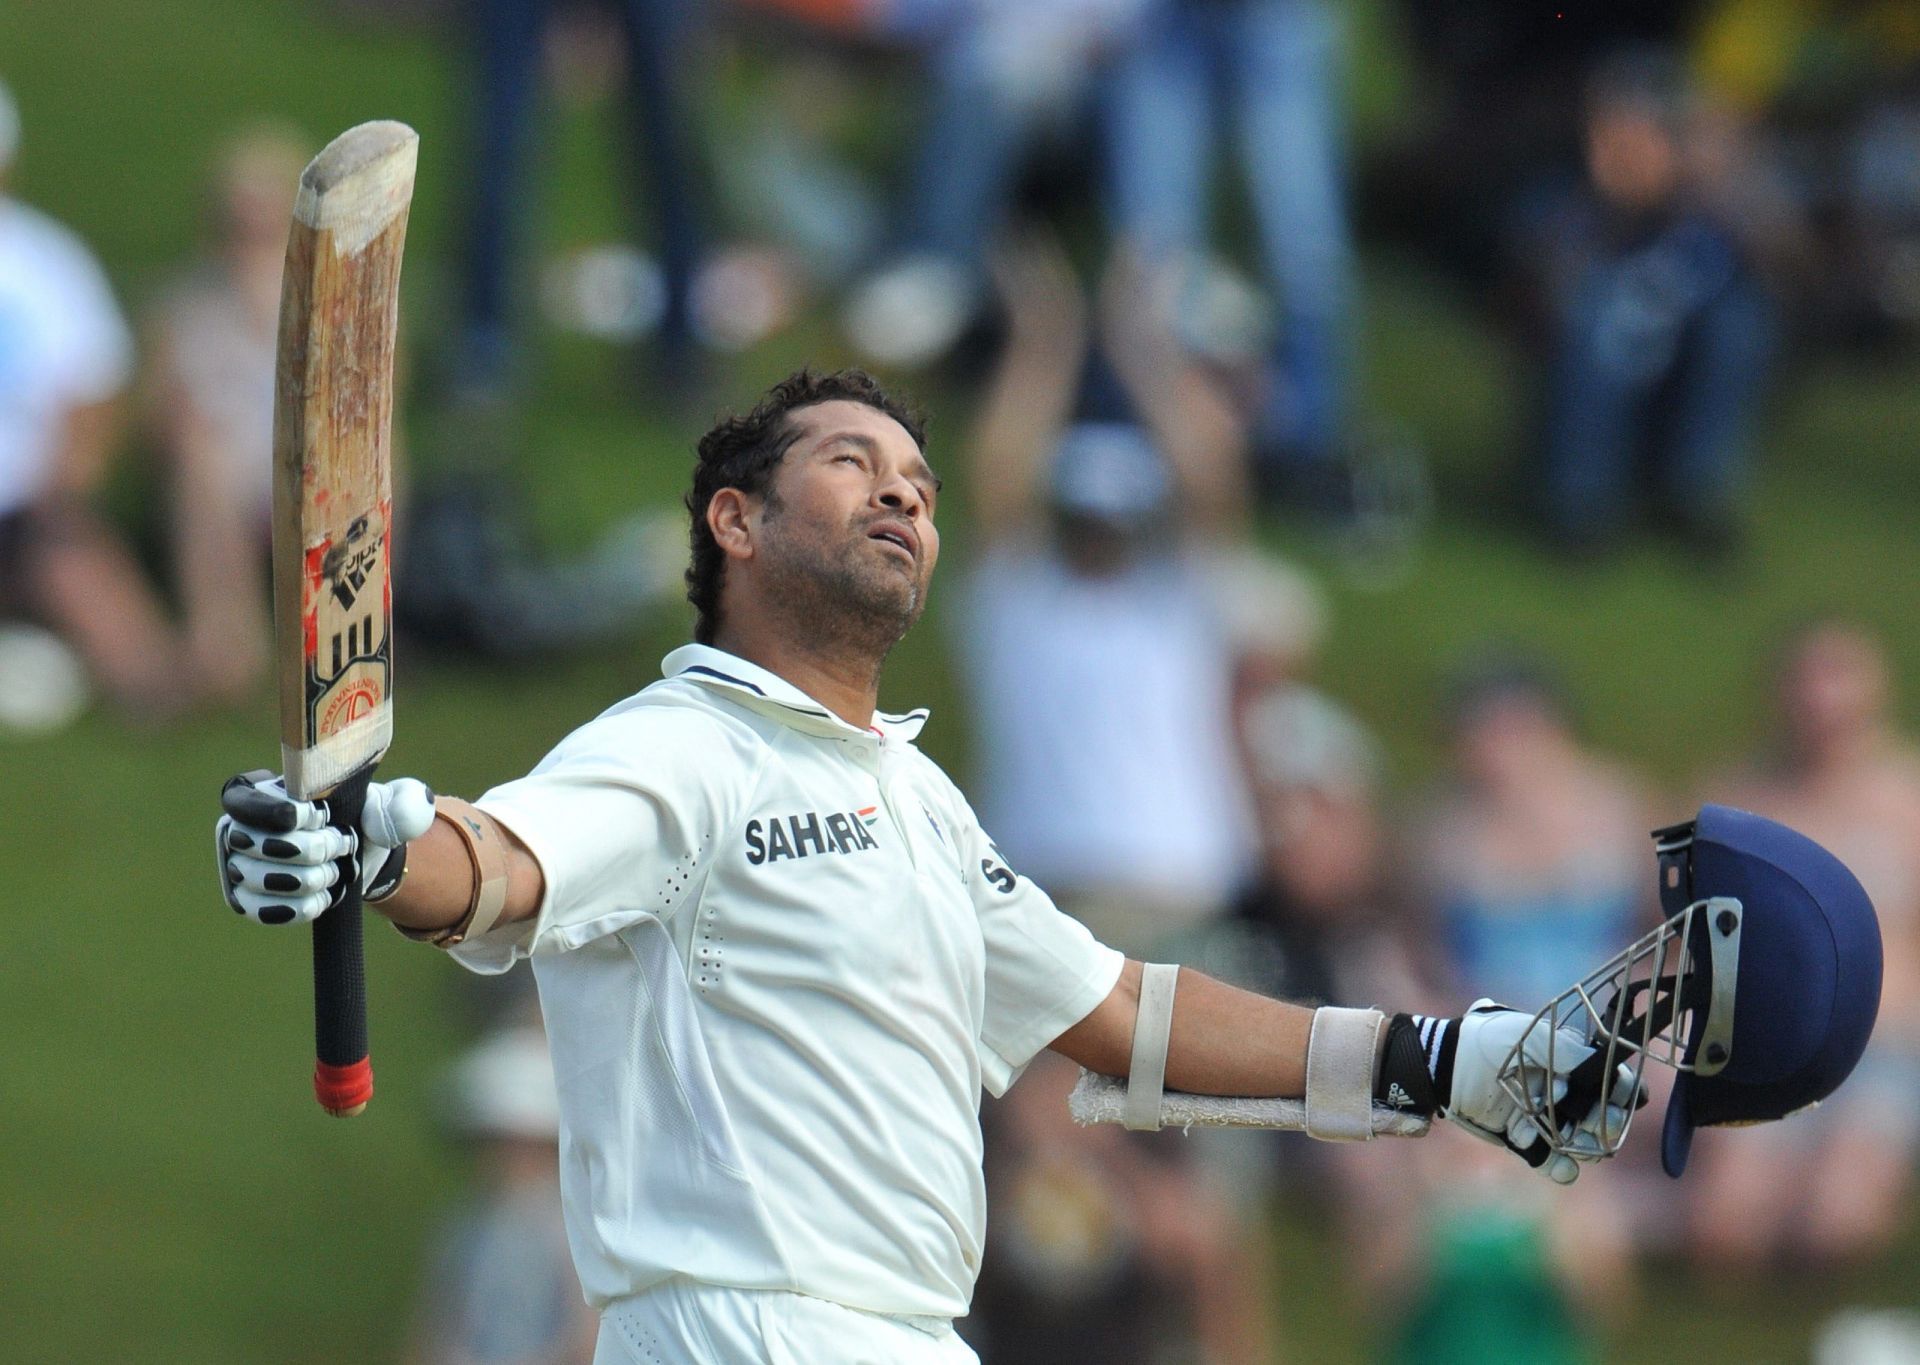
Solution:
(1397, 454)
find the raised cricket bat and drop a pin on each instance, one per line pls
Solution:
(333, 534)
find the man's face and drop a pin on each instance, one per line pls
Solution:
(846, 530)
(1833, 687)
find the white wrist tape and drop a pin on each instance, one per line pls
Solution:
(1152, 1028)
(1340, 1062)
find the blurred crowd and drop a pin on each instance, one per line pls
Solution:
(1127, 229)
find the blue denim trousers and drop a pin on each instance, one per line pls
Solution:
(507, 38)
(1271, 71)
(1661, 357)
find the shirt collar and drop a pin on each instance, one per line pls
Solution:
(772, 694)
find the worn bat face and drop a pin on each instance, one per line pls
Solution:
(346, 617)
(333, 500)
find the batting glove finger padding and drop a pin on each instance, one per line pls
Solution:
(248, 873)
(270, 907)
(296, 848)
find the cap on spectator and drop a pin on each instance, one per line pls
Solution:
(1109, 472)
(503, 1088)
(9, 127)
(1302, 738)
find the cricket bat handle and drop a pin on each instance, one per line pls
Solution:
(342, 1072)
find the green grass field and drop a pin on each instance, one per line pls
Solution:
(171, 1193)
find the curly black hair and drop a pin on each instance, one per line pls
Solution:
(742, 451)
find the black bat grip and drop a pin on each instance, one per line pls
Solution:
(343, 1072)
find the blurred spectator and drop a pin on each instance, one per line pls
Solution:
(1501, 1275)
(502, 1290)
(1102, 673)
(1093, 642)
(1005, 76)
(210, 379)
(1275, 64)
(1315, 905)
(1528, 870)
(1312, 924)
(1532, 861)
(1496, 98)
(1830, 87)
(1658, 326)
(509, 47)
(783, 162)
(65, 359)
(1835, 1185)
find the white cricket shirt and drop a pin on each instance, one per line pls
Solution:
(778, 959)
(63, 343)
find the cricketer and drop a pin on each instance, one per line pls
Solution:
(779, 959)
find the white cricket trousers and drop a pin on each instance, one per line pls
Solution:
(683, 1322)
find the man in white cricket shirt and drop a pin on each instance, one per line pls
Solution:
(778, 957)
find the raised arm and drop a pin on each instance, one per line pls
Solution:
(1030, 395)
(1193, 421)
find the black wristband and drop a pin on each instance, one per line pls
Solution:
(1416, 1064)
(388, 880)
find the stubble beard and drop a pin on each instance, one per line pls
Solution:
(837, 593)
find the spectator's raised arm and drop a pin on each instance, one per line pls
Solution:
(1030, 395)
(1191, 417)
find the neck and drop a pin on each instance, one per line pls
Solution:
(846, 685)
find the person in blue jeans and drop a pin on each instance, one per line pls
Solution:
(1272, 66)
(1005, 79)
(508, 45)
(1659, 326)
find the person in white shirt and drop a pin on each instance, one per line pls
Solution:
(66, 356)
(778, 958)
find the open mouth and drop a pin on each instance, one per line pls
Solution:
(889, 535)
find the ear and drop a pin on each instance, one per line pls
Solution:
(733, 517)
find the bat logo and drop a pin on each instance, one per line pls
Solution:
(348, 565)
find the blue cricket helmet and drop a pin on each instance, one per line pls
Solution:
(1808, 983)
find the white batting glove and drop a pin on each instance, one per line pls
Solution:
(281, 862)
(1482, 1102)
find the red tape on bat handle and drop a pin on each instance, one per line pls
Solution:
(343, 1071)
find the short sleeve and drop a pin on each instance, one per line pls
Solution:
(623, 818)
(1045, 972)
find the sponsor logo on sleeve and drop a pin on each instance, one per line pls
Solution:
(996, 871)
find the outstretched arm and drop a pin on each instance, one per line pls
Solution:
(1225, 1041)
(1222, 1041)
